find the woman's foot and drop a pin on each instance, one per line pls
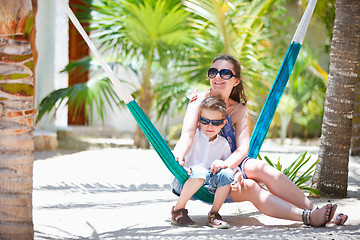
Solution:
(320, 216)
(340, 219)
(180, 217)
(215, 221)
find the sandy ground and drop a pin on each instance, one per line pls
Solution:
(121, 193)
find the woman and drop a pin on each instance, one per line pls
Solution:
(283, 199)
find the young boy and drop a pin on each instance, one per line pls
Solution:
(204, 163)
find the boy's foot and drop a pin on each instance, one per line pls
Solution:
(180, 217)
(215, 220)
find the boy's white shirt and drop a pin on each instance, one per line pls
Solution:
(204, 153)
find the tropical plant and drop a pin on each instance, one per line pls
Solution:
(220, 26)
(355, 136)
(92, 96)
(331, 174)
(325, 12)
(303, 99)
(285, 110)
(137, 35)
(294, 169)
(17, 119)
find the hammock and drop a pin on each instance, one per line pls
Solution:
(261, 126)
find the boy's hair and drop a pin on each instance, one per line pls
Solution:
(215, 104)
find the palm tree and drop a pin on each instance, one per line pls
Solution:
(219, 26)
(355, 136)
(331, 173)
(154, 30)
(140, 35)
(17, 119)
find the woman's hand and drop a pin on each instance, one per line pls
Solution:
(238, 181)
(217, 165)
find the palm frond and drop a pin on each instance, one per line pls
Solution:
(294, 168)
(89, 95)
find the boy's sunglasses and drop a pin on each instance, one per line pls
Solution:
(215, 123)
(225, 74)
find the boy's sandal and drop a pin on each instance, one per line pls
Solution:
(328, 214)
(340, 219)
(180, 217)
(215, 220)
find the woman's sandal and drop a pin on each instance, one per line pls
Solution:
(327, 215)
(180, 217)
(215, 221)
(340, 219)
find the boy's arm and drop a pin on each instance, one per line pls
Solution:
(182, 147)
(188, 131)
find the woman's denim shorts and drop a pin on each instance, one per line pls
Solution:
(222, 178)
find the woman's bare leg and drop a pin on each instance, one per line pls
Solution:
(265, 201)
(277, 183)
(190, 188)
(274, 206)
(219, 198)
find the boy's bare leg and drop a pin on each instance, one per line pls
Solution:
(220, 196)
(190, 188)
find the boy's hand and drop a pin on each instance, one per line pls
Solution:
(181, 160)
(217, 165)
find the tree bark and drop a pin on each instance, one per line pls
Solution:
(17, 119)
(145, 101)
(331, 173)
(355, 139)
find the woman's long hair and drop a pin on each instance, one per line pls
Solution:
(238, 93)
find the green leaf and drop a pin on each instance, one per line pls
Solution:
(295, 167)
(87, 95)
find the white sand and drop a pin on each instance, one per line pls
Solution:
(119, 193)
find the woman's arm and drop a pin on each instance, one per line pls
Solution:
(242, 136)
(188, 130)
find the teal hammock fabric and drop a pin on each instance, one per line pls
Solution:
(163, 150)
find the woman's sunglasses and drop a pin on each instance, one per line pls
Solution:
(225, 74)
(215, 123)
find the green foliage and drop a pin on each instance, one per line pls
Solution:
(293, 170)
(91, 95)
(133, 30)
(325, 13)
(305, 92)
(131, 34)
(235, 27)
(169, 46)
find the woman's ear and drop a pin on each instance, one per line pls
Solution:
(237, 81)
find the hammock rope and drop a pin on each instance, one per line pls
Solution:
(261, 126)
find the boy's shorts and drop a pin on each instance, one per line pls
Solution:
(222, 178)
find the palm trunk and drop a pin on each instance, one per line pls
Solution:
(145, 102)
(17, 120)
(355, 139)
(331, 173)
